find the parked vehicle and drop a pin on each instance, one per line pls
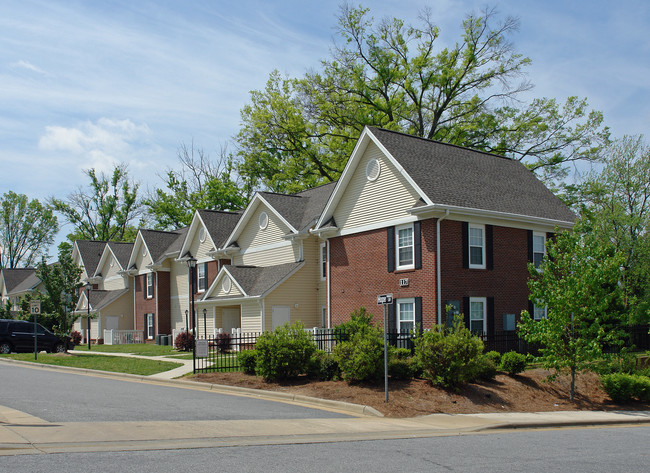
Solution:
(18, 336)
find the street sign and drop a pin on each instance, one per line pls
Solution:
(384, 299)
(35, 307)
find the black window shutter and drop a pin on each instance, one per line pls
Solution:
(417, 241)
(418, 313)
(466, 311)
(531, 308)
(489, 252)
(530, 246)
(206, 276)
(465, 240)
(153, 287)
(392, 321)
(490, 316)
(390, 234)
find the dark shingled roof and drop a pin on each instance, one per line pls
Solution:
(19, 279)
(122, 252)
(90, 252)
(219, 224)
(303, 209)
(175, 247)
(158, 242)
(256, 281)
(100, 298)
(452, 175)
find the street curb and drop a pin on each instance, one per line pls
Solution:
(356, 409)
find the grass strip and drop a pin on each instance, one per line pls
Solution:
(144, 349)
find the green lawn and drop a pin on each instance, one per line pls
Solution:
(116, 364)
(144, 349)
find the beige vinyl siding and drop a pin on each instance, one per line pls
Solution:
(364, 202)
(122, 308)
(251, 320)
(178, 291)
(141, 262)
(111, 279)
(252, 236)
(209, 321)
(271, 256)
(299, 289)
(200, 249)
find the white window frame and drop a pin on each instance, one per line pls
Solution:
(470, 246)
(398, 314)
(199, 279)
(540, 312)
(149, 287)
(398, 264)
(543, 252)
(482, 300)
(323, 261)
(150, 327)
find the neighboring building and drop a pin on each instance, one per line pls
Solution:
(436, 225)
(15, 284)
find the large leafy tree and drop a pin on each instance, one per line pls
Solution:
(27, 229)
(578, 283)
(61, 281)
(201, 183)
(298, 132)
(108, 209)
(615, 204)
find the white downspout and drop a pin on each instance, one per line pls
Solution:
(438, 282)
(327, 284)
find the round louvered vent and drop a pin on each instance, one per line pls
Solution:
(226, 284)
(264, 220)
(202, 234)
(373, 169)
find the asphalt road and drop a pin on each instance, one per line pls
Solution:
(591, 450)
(63, 397)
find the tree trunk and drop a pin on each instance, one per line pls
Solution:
(573, 383)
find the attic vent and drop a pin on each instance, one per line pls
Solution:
(373, 169)
(202, 234)
(264, 221)
(226, 285)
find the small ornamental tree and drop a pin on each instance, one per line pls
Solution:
(577, 281)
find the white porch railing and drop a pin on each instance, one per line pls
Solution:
(123, 337)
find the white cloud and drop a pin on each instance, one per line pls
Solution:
(27, 65)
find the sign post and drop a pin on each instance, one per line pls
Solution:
(35, 309)
(385, 299)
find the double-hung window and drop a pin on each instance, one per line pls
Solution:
(202, 278)
(539, 248)
(150, 327)
(405, 249)
(149, 285)
(476, 246)
(477, 314)
(405, 315)
(323, 261)
(539, 312)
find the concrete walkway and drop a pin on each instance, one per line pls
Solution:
(21, 433)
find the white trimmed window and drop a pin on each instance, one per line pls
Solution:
(539, 248)
(202, 277)
(149, 285)
(405, 315)
(477, 246)
(405, 250)
(539, 312)
(323, 261)
(150, 327)
(477, 314)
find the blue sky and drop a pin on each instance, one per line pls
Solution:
(90, 84)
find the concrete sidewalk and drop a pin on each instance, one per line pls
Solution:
(170, 374)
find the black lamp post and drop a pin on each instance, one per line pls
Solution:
(187, 325)
(191, 264)
(88, 288)
(205, 327)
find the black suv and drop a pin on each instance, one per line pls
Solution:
(18, 336)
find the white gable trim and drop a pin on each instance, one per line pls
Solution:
(341, 186)
(102, 260)
(191, 232)
(139, 240)
(247, 215)
(215, 284)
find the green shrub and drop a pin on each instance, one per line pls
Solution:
(247, 361)
(642, 389)
(495, 356)
(619, 386)
(619, 363)
(323, 366)
(285, 352)
(485, 368)
(360, 321)
(401, 354)
(513, 363)
(76, 337)
(400, 369)
(449, 356)
(184, 341)
(362, 357)
(416, 367)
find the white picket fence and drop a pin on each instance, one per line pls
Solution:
(123, 337)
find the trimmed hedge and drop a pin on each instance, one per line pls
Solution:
(623, 387)
(285, 352)
(513, 363)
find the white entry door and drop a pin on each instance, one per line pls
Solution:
(280, 315)
(230, 319)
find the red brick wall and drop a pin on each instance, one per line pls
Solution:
(143, 305)
(359, 273)
(507, 282)
(164, 303)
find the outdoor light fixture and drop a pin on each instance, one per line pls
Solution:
(187, 312)
(205, 327)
